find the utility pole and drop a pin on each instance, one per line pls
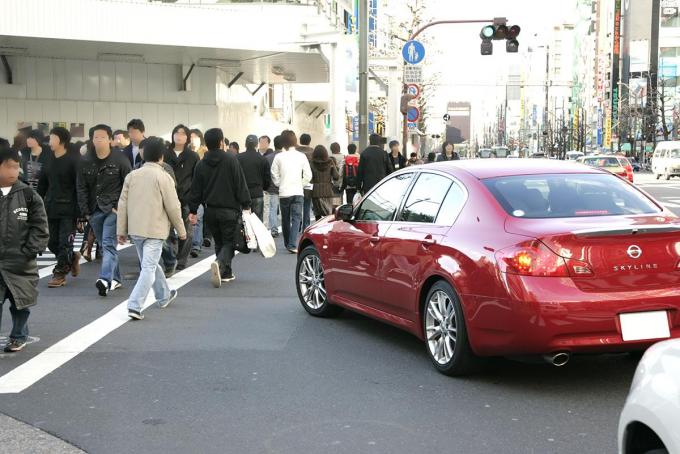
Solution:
(653, 93)
(363, 74)
(547, 99)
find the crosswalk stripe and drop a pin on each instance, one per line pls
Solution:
(43, 364)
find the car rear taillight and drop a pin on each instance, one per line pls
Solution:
(533, 258)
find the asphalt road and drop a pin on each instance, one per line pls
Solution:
(244, 369)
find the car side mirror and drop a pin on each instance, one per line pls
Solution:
(344, 213)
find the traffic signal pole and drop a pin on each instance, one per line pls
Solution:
(413, 36)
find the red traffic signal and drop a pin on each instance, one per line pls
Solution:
(513, 32)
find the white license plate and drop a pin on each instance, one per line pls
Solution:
(644, 325)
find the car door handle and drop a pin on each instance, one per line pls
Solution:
(374, 239)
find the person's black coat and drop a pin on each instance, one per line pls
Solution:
(219, 182)
(127, 151)
(397, 163)
(442, 157)
(58, 186)
(23, 235)
(43, 159)
(374, 165)
(100, 182)
(256, 169)
(183, 166)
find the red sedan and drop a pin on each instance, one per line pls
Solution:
(501, 257)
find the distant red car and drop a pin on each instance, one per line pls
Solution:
(501, 257)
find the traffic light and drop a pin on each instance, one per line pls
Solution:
(499, 31)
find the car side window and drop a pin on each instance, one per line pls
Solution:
(383, 203)
(453, 203)
(426, 197)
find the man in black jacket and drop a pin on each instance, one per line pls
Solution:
(57, 187)
(136, 130)
(100, 181)
(23, 234)
(183, 161)
(256, 169)
(374, 165)
(220, 185)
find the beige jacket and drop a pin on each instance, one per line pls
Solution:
(148, 205)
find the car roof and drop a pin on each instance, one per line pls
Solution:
(492, 168)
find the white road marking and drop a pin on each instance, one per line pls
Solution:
(71, 346)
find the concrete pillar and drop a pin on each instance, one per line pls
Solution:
(394, 117)
(336, 94)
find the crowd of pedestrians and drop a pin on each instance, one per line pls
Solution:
(170, 199)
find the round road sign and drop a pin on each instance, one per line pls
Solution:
(413, 114)
(413, 89)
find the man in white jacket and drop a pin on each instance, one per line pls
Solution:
(147, 209)
(291, 173)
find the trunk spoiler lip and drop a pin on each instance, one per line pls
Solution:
(631, 230)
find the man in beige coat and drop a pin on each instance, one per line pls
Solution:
(147, 209)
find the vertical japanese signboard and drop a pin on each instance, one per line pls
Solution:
(616, 55)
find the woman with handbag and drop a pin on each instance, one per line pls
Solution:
(324, 178)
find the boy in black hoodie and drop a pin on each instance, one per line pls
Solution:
(220, 185)
(23, 234)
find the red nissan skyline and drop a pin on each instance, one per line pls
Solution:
(485, 258)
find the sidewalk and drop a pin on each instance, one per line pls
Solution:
(17, 436)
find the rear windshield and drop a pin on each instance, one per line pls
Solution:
(602, 162)
(567, 196)
(675, 154)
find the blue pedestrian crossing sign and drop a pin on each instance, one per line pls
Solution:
(413, 52)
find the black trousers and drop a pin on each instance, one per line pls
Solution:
(62, 234)
(350, 192)
(184, 246)
(222, 223)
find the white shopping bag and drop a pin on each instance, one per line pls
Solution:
(265, 241)
(250, 234)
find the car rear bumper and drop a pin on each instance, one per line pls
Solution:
(545, 315)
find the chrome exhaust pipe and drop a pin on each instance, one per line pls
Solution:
(558, 359)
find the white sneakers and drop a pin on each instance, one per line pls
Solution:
(104, 287)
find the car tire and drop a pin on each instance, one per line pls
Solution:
(667, 176)
(658, 176)
(309, 280)
(446, 337)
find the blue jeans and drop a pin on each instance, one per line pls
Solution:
(151, 274)
(291, 219)
(306, 212)
(273, 213)
(104, 226)
(197, 242)
(19, 316)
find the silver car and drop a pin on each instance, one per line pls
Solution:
(650, 420)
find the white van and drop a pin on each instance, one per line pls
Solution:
(666, 160)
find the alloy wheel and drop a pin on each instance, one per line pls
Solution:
(311, 282)
(441, 327)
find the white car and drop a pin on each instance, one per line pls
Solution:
(650, 420)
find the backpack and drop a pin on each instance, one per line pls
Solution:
(351, 166)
